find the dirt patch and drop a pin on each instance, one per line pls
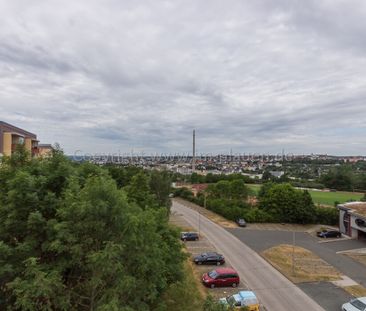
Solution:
(356, 290)
(306, 266)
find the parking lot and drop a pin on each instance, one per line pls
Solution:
(195, 248)
(326, 294)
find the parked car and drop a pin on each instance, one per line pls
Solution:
(357, 304)
(329, 234)
(242, 299)
(222, 277)
(241, 222)
(209, 259)
(189, 236)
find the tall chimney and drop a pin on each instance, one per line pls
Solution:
(194, 152)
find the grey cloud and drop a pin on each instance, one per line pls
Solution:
(255, 76)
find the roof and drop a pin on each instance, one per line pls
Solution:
(45, 146)
(225, 270)
(209, 254)
(357, 208)
(247, 294)
(11, 128)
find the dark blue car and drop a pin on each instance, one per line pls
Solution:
(329, 234)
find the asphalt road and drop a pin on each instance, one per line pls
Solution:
(274, 291)
(260, 240)
(329, 296)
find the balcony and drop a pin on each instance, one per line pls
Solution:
(35, 151)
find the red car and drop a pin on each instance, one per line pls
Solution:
(222, 277)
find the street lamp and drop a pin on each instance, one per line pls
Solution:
(293, 252)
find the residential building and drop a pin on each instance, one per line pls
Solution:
(11, 136)
(44, 150)
(352, 219)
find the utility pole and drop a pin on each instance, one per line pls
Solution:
(194, 152)
(293, 252)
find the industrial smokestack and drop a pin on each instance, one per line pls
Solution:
(194, 152)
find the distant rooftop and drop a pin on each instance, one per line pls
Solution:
(45, 145)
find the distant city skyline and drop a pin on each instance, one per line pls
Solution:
(248, 76)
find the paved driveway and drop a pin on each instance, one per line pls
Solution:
(262, 240)
(329, 296)
(274, 290)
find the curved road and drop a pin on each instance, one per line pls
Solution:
(274, 291)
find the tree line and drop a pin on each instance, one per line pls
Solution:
(276, 203)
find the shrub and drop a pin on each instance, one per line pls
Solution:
(327, 215)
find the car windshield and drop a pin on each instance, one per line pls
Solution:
(358, 304)
(204, 254)
(213, 274)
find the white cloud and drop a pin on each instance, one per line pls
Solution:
(105, 76)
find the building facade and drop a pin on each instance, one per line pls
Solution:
(352, 219)
(11, 136)
(44, 150)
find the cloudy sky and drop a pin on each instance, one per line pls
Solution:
(251, 76)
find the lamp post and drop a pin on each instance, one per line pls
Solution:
(293, 252)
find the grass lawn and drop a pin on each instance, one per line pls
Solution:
(328, 198)
(308, 267)
(187, 295)
(324, 198)
(356, 290)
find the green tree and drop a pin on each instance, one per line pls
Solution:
(70, 239)
(139, 192)
(160, 185)
(340, 178)
(286, 204)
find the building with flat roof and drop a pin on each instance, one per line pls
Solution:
(11, 136)
(352, 219)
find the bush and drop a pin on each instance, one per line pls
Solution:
(258, 215)
(327, 215)
(184, 193)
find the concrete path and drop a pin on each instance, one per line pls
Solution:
(274, 291)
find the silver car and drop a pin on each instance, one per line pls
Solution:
(357, 304)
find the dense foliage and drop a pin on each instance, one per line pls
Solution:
(344, 178)
(277, 203)
(72, 239)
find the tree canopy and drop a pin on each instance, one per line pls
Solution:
(72, 239)
(287, 204)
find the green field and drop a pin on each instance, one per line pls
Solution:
(325, 198)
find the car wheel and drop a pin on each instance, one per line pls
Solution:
(218, 263)
(234, 285)
(184, 240)
(199, 263)
(196, 239)
(212, 286)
